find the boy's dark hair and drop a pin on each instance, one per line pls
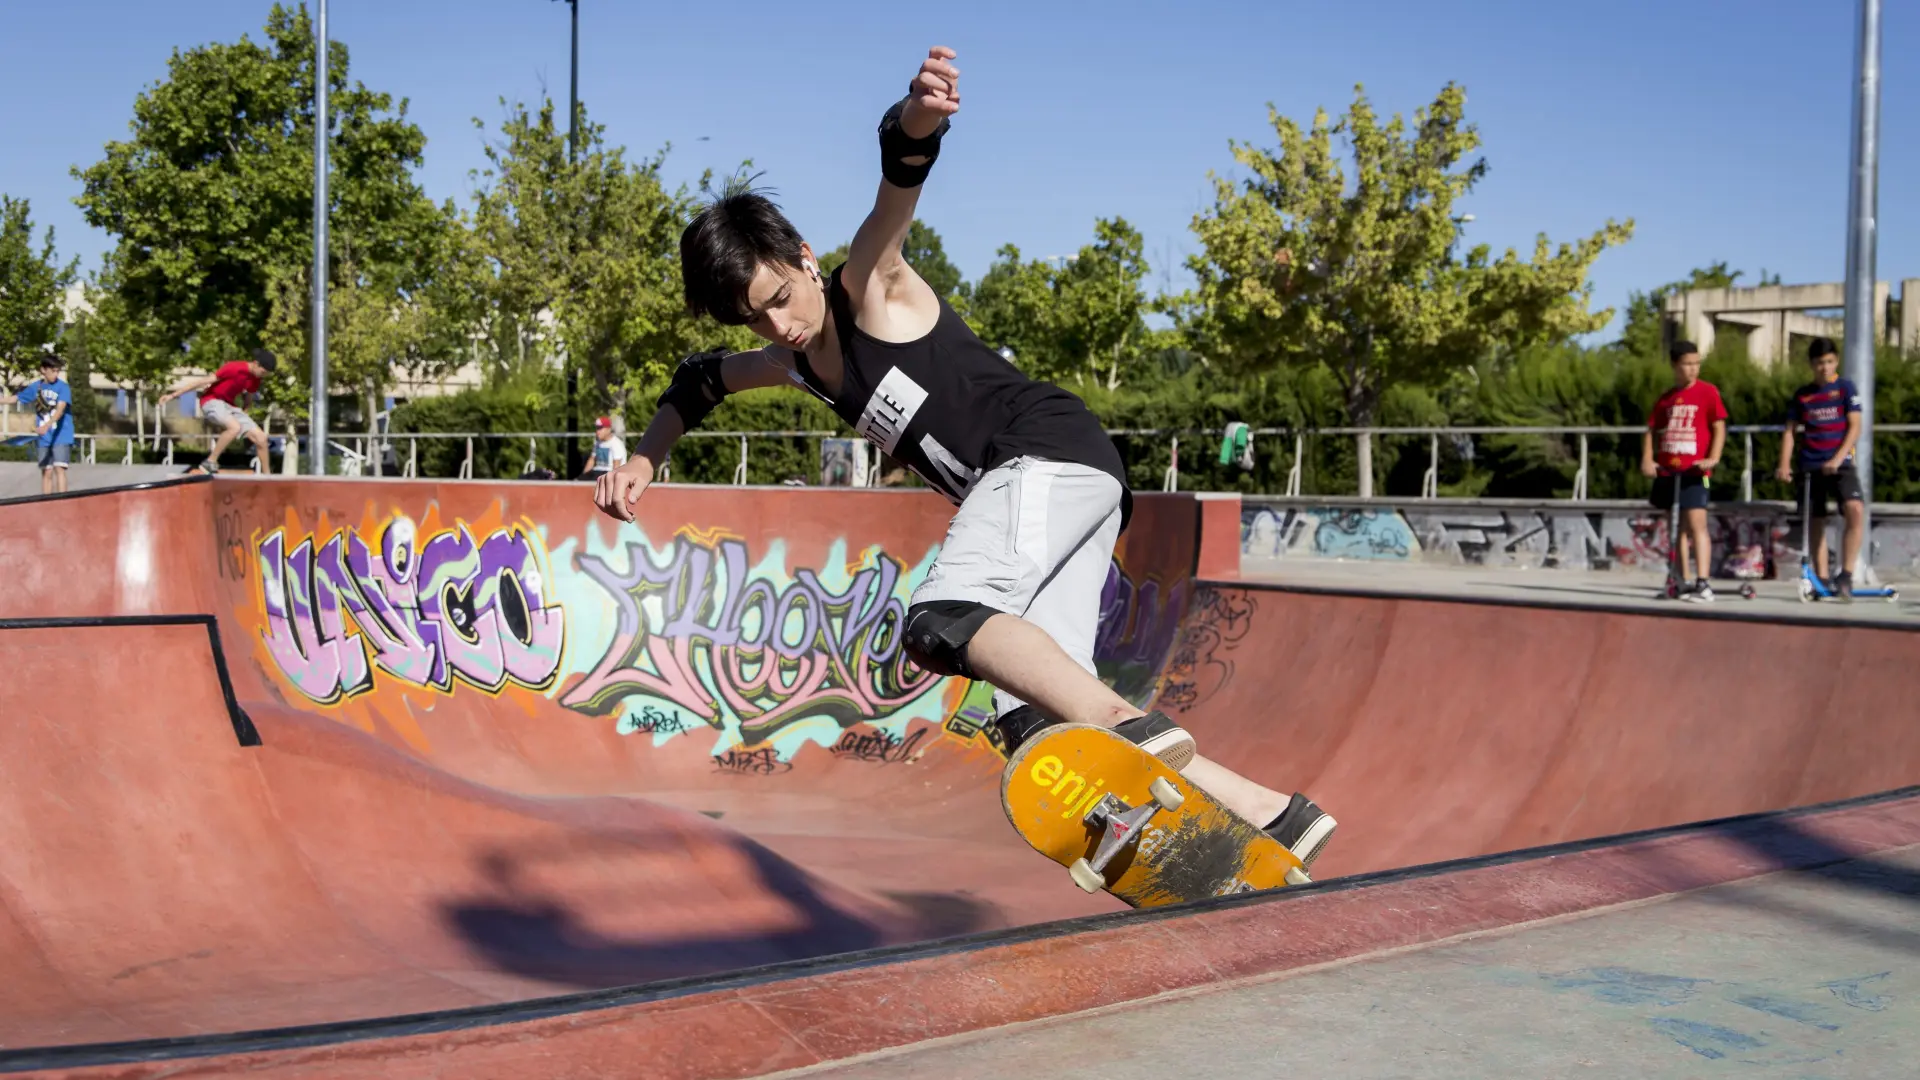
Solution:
(724, 245)
(52, 360)
(1820, 347)
(1680, 349)
(266, 359)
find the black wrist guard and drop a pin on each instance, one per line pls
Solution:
(697, 387)
(896, 144)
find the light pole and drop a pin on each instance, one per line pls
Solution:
(318, 458)
(573, 158)
(1862, 209)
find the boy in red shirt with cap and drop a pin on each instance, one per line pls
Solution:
(220, 408)
(1681, 423)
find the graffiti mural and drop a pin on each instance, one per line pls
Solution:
(428, 610)
(1138, 621)
(1747, 543)
(701, 630)
(1201, 665)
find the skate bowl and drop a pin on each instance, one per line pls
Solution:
(288, 759)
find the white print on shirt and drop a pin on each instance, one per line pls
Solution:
(1680, 436)
(890, 410)
(955, 480)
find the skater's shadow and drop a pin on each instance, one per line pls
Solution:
(534, 930)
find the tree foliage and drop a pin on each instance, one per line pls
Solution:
(1081, 321)
(32, 284)
(210, 198)
(1308, 262)
(580, 259)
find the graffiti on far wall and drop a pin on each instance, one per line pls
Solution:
(429, 610)
(735, 643)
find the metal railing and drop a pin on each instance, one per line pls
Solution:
(365, 454)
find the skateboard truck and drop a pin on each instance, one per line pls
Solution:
(1122, 827)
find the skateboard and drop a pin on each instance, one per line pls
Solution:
(1120, 819)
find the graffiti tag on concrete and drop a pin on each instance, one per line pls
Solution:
(705, 632)
(428, 610)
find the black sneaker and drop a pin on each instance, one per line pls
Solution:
(1843, 585)
(1019, 725)
(1303, 829)
(1160, 737)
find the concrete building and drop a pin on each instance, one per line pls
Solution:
(1777, 320)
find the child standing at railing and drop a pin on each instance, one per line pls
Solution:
(1674, 452)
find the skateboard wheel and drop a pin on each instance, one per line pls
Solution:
(1165, 794)
(1085, 876)
(1297, 876)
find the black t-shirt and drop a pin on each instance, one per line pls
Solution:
(950, 408)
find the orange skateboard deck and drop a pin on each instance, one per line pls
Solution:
(1120, 819)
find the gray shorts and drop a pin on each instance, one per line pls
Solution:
(220, 414)
(1034, 538)
(56, 457)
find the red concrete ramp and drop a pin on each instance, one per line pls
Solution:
(161, 878)
(1439, 730)
(507, 750)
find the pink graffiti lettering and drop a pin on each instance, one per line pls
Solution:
(767, 655)
(425, 612)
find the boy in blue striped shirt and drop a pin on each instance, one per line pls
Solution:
(1828, 410)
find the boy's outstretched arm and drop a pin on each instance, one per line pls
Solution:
(190, 387)
(910, 135)
(699, 384)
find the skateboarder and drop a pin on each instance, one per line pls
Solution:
(1014, 597)
(52, 401)
(220, 393)
(1828, 410)
(1682, 465)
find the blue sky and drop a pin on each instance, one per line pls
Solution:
(1720, 127)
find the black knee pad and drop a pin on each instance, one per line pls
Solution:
(938, 632)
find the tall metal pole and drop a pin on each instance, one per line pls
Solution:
(317, 459)
(1862, 210)
(573, 158)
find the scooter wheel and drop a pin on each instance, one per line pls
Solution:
(1747, 591)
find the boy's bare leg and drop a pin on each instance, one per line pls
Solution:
(1702, 543)
(1817, 528)
(1025, 661)
(259, 440)
(1022, 659)
(46, 481)
(1850, 540)
(220, 443)
(60, 481)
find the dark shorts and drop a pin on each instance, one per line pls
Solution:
(1829, 489)
(1694, 492)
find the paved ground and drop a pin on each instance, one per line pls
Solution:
(1775, 600)
(1793, 976)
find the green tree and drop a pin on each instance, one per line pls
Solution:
(210, 199)
(1306, 264)
(1101, 301)
(1013, 307)
(32, 283)
(581, 260)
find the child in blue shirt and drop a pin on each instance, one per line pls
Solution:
(52, 401)
(1828, 411)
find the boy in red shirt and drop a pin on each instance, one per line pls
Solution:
(1675, 453)
(219, 405)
